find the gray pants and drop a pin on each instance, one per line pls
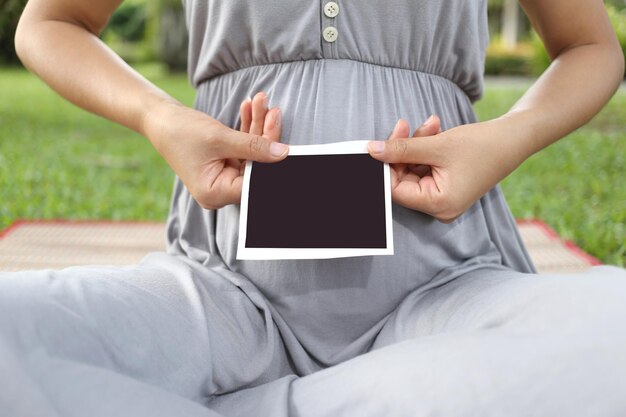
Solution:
(172, 338)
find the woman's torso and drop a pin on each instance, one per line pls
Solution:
(390, 60)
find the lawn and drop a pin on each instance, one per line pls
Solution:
(57, 161)
(576, 185)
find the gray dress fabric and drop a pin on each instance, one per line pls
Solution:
(454, 324)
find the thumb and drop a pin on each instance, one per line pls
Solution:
(241, 145)
(425, 151)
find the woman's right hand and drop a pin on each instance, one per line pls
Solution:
(208, 156)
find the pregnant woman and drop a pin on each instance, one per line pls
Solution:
(456, 323)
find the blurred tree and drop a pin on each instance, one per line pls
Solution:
(618, 4)
(510, 23)
(10, 12)
(506, 22)
(144, 30)
(128, 32)
(129, 21)
(172, 35)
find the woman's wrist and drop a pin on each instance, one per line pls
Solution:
(521, 133)
(501, 143)
(154, 113)
(165, 118)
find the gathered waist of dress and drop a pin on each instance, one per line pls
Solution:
(338, 99)
(322, 61)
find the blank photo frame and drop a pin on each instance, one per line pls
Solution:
(322, 201)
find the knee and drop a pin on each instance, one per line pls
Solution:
(29, 307)
(590, 304)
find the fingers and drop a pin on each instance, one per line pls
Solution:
(400, 130)
(397, 149)
(426, 151)
(258, 120)
(423, 195)
(241, 145)
(224, 189)
(431, 127)
(427, 197)
(245, 112)
(259, 110)
(273, 124)
(420, 170)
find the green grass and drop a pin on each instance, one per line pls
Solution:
(577, 184)
(57, 161)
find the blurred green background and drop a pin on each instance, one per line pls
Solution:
(57, 161)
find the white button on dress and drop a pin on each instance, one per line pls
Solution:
(330, 34)
(331, 9)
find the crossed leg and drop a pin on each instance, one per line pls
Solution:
(174, 338)
(157, 339)
(490, 343)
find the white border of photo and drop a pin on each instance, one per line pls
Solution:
(338, 148)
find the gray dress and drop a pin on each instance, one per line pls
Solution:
(404, 59)
(454, 324)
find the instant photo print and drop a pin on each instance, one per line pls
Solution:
(322, 201)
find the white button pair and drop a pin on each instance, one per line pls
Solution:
(331, 9)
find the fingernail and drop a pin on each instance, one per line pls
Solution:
(266, 101)
(377, 146)
(278, 149)
(246, 100)
(429, 120)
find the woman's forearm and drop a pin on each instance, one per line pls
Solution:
(587, 68)
(567, 96)
(65, 51)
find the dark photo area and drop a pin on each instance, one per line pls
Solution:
(317, 201)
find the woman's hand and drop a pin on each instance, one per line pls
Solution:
(444, 174)
(209, 157)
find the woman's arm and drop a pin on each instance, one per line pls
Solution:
(587, 68)
(468, 160)
(58, 41)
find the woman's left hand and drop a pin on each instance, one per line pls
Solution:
(444, 174)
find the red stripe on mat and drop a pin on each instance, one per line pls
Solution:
(11, 228)
(68, 222)
(553, 235)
